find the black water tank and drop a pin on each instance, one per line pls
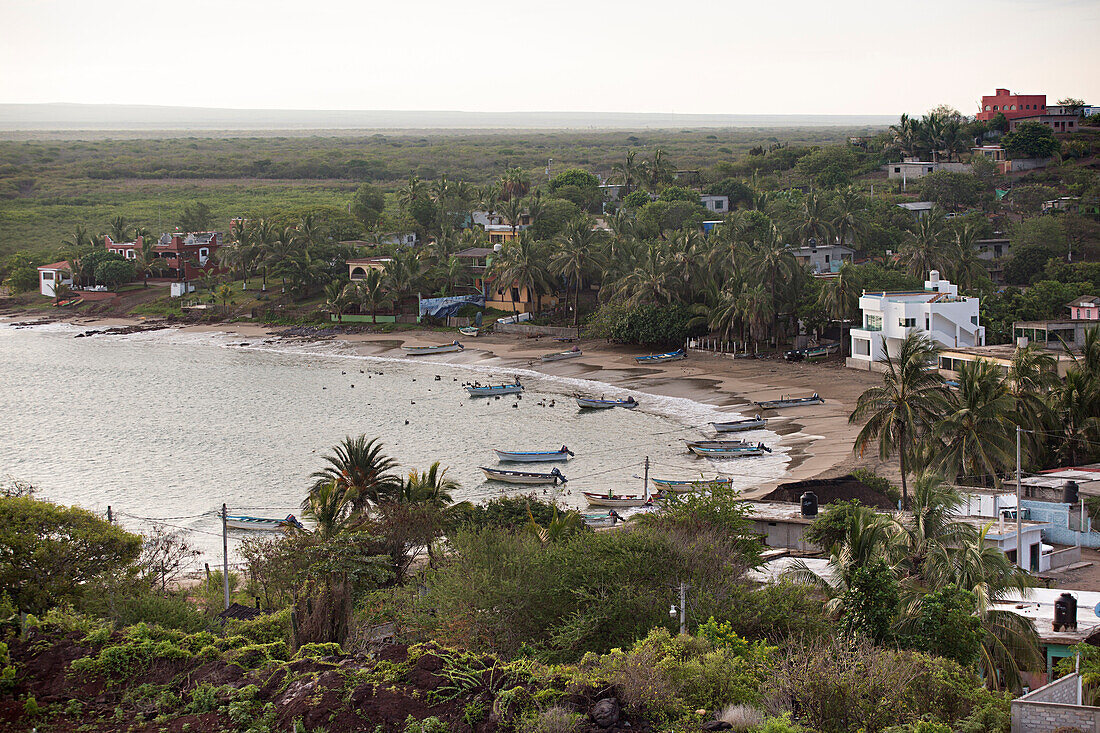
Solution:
(809, 504)
(1069, 493)
(1065, 613)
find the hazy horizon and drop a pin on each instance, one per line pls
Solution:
(506, 57)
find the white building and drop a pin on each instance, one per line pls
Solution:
(49, 275)
(823, 258)
(938, 311)
(717, 204)
(912, 169)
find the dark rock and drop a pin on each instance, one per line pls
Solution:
(605, 713)
(717, 725)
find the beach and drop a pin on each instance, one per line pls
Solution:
(819, 438)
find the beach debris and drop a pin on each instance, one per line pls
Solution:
(406, 422)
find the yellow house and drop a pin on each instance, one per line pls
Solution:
(497, 295)
(357, 268)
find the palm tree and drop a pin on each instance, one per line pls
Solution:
(904, 134)
(522, 266)
(454, 272)
(120, 228)
(578, 252)
(923, 248)
(330, 507)
(404, 273)
(814, 222)
(431, 487)
(651, 280)
(931, 525)
(906, 406)
(514, 184)
(839, 297)
(337, 298)
(1076, 406)
(975, 435)
(410, 194)
(147, 263)
(774, 263)
(1030, 379)
(360, 469)
(512, 211)
(655, 172)
(848, 208)
(371, 293)
(757, 311)
(626, 173)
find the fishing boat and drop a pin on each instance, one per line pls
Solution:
(619, 501)
(681, 487)
(602, 519)
(816, 354)
(522, 477)
(240, 521)
(558, 356)
(601, 404)
(509, 320)
(489, 390)
(657, 358)
(744, 451)
(790, 402)
(440, 349)
(471, 331)
(517, 456)
(717, 443)
(736, 426)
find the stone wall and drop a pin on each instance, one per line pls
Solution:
(1054, 706)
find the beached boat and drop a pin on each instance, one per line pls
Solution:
(602, 519)
(440, 349)
(790, 402)
(471, 331)
(509, 320)
(743, 451)
(656, 358)
(819, 353)
(240, 521)
(736, 426)
(619, 501)
(534, 456)
(681, 487)
(717, 443)
(489, 390)
(601, 404)
(558, 356)
(522, 477)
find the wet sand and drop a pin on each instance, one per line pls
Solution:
(819, 437)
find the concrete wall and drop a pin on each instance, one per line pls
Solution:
(1052, 707)
(1064, 520)
(555, 331)
(779, 534)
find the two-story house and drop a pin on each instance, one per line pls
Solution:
(938, 311)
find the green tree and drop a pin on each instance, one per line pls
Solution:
(1030, 140)
(114, 273)
(574, 177)
(195, 217)
(951, 191)
(359, 469)
(905, 407)
(578, 252)
(53, 554)
(870, 602)
(840, 298)
(371, 293)
(367, 205)
(946, 625)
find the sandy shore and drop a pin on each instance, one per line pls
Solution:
(819, 437)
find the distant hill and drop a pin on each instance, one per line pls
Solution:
(144, 117)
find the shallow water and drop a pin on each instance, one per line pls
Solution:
(168, 425)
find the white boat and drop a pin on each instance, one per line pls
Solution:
(790, 402)
(681, 487)
(471, 331)
(619, 501)
(241, 521)
(522, 477)
(600, 404)
(602, 519)
(717, 443)
(558, 356)
(736, 426)
(440, 349)
(657, 358)
(744, 451)
(508, 320)
(534, 456)
(489, 390)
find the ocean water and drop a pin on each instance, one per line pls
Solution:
(166, 425)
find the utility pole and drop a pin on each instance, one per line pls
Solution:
(683, 608)
(645, 480)
(1019, 507)
(225, 553)
(110, 515)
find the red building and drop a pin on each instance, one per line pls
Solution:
(193, 252)
(1012, 105)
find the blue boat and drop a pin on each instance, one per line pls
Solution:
(534, 456)
(657, 358)
(489, 390)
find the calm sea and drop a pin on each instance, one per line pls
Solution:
(167, 425)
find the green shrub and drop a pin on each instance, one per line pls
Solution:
(204, 699)
(872, 480)
(7, 669)
(264, 629)
(427, 725)
(318, 650)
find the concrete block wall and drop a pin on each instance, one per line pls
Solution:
(1057, 515)
(1054, 706)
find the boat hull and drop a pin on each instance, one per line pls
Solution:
(532, 456)
(257, 524)
(561, 355)
(683, 487)
(469, 331)
(719, 444)
(521, 477)
(618, 501)
(660, 358)
(593, 404)
(780, 404)
(737, 426)
(498, 389)
(424, 350)
(728, 452)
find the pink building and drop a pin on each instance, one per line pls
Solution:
(1085, 308)
(1012, 105)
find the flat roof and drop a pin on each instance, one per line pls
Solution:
(1038, 605)
(778, 511)
(474, 252)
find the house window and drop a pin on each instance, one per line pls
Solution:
(987, 108)
(974, 320)
(717, 204)
(47, 276)
(994, 108)
(907, 322)
(929, 169)
(826, 259)
(872, 323)
(897, 169)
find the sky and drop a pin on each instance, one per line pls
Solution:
(673, 56)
